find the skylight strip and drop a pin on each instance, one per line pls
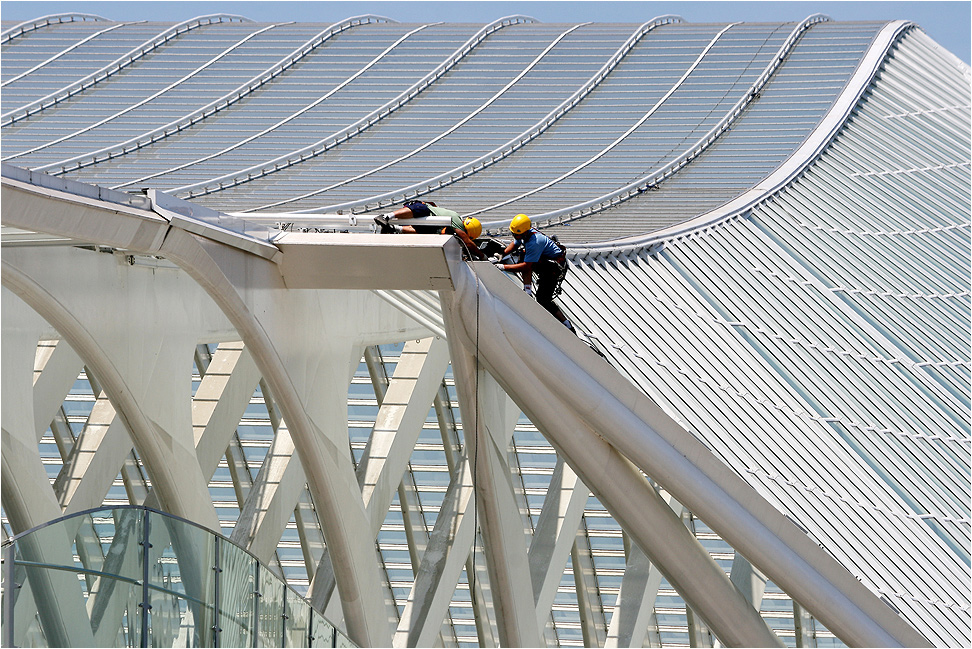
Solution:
(641, 185)
(429, 143)
(631, 129)
(115, 66)
(295, 157)
(283, 121)
(65, 51)
(138, 104)
(501, 152)
(227, 100)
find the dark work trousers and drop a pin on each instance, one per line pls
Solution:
(549, 275)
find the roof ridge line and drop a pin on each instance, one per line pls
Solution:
(814, 144)
(115, 66)
(267, 167)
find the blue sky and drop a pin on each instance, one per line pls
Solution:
(948, 22)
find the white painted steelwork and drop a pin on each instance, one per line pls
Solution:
(811, 334)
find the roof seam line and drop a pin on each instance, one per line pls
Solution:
(335, 139)
(115, 66)
(176, 126)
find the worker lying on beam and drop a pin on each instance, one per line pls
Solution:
(432, 219)
(542, 255)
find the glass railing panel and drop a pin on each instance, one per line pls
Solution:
(182, 560)
(270, 608)
(344, 641)
(176, 621)
(28, 630)
(80, 574)
(322, 631)
(81, 582)
(237, 596)
(297, 624)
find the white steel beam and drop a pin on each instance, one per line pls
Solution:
(271, 500)
(404, 408)
(224, 391)
(95, 460)
(52, 383)
(636, 600)
(490, 417)
(563, 508)
(750, 581)
(574, 389)
(560, 415)
(28, 499)
(141, 380)
(589, 607)
(442, 563)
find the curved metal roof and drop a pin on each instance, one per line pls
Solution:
(769, 224)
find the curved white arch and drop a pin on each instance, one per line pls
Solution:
(169, 484)
(115, 66)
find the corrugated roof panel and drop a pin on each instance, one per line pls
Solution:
(792, 103)
(818, 343)
(877, 368)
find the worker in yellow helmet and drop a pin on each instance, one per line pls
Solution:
(466, 230)
(544, 256)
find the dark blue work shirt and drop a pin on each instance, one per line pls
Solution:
(539, 246)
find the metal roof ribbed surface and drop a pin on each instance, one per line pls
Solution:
(819, 342)
(816, 339)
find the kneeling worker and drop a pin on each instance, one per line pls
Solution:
(543, 256)
(467, 230)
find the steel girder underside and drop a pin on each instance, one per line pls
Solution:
(297, 317)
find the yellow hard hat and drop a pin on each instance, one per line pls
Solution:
(473, 227)
(520, 224)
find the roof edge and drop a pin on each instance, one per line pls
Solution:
(808, 152)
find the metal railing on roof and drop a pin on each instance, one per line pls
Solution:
(53, 19)
(644, 184)
(813, 145)
(141, 102)
(513, 145)
(176, 126)
(605, 150)
(327, 95)
(114, 67)
(66, 50)
(295, 157)
(438, 137)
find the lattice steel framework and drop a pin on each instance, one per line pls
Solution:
(769, 229)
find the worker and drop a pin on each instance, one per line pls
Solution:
(466, 230)
(542, 255)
